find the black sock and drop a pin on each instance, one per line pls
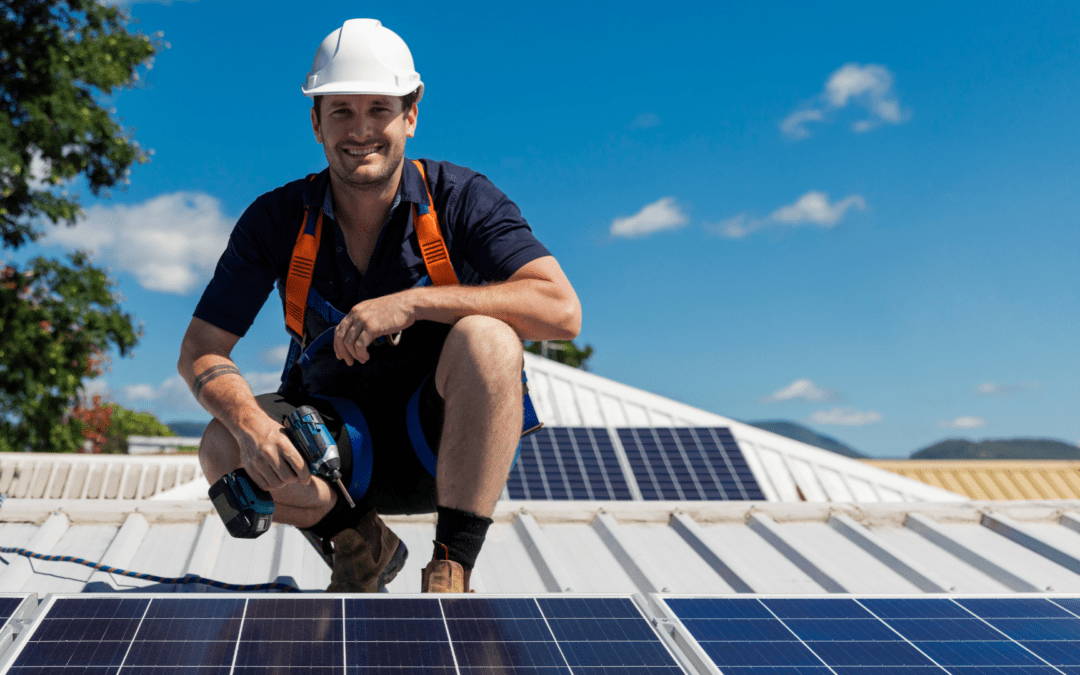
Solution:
(339, 518)
(462, 533)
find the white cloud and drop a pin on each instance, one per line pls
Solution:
(645, 120)
(795, 123)
(963, 422)
(802, 390)
(868, 87)
(169, 243)
(263, 382)
(95, 386)
(813, 208)
(173, 394)
(40, 169)
(845, 417)
(997, 389)
(275, 356)
(664, 214)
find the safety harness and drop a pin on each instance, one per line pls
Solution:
(300, 297)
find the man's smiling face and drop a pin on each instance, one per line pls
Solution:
(363, 137)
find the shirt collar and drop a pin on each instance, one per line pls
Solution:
(411, 189)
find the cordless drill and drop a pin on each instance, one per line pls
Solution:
(246, 508)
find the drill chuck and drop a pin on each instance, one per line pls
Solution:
(311, 437)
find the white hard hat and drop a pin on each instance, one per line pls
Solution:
(362, 57)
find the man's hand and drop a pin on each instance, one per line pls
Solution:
(270, 458)
(369, 320)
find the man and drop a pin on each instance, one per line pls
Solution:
(360, 235)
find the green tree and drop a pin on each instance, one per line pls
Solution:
(563, 351)
(126, 423)
(60, 62)
(56, 324)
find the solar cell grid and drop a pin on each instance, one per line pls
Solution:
(572, 463)
(361, 636)
(964, 636)
(698, 463)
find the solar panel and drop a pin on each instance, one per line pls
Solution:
(885, 636)
(698, 463)
(13, 606)
(544, 635)
(574, 463)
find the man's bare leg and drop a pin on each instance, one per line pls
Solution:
(294, 504)
(367, 554)
(479, 378)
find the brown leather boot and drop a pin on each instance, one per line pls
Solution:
(366, 557)
(444, 576)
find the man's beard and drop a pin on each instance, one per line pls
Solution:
(367, 183)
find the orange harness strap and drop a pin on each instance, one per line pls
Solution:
(301, 267)
(302, 264)
(432, 246)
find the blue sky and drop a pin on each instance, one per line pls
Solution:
(860, 217)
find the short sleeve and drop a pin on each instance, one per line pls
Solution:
(246, 272)
(495, 239)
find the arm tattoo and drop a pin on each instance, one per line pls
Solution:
(211, 373)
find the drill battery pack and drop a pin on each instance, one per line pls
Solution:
(245, 508)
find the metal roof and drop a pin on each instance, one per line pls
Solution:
(993, 479)
(586, 547)
(786, 469)
(28, 475)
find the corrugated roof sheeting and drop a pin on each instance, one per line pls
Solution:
(786, 470)
(587, 547)
(993, 479)
(62, 476)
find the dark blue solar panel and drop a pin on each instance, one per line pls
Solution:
(574, 463)
(886, 636)
(8, 607)
(697, 463)
(359, 636)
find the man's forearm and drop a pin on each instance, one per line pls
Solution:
(535, 309)
(214, 379)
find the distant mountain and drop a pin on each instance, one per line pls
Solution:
(800, 433)
(1016, 448)
(189, 429)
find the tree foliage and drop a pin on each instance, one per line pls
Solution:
(563, 351)
(58, 60)
(107, 425)
(57, 323)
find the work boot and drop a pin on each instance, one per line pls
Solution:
(367, 556)
(444, 576)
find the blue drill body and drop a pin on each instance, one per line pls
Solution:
(247, 509)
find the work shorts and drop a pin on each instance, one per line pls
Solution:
(399, 482)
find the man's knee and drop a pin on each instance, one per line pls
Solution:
(218, 452)
(483, 345)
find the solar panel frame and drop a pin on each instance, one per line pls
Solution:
(14, 607)
(688, 464)
(445, 634)
(1031, 634)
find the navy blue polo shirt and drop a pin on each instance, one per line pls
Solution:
(486, 236)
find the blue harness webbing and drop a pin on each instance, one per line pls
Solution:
(419, 442)
(363, 452)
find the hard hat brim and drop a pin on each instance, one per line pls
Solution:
(357, 87)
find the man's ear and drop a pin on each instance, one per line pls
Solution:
(410, 121)
(315, 127)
